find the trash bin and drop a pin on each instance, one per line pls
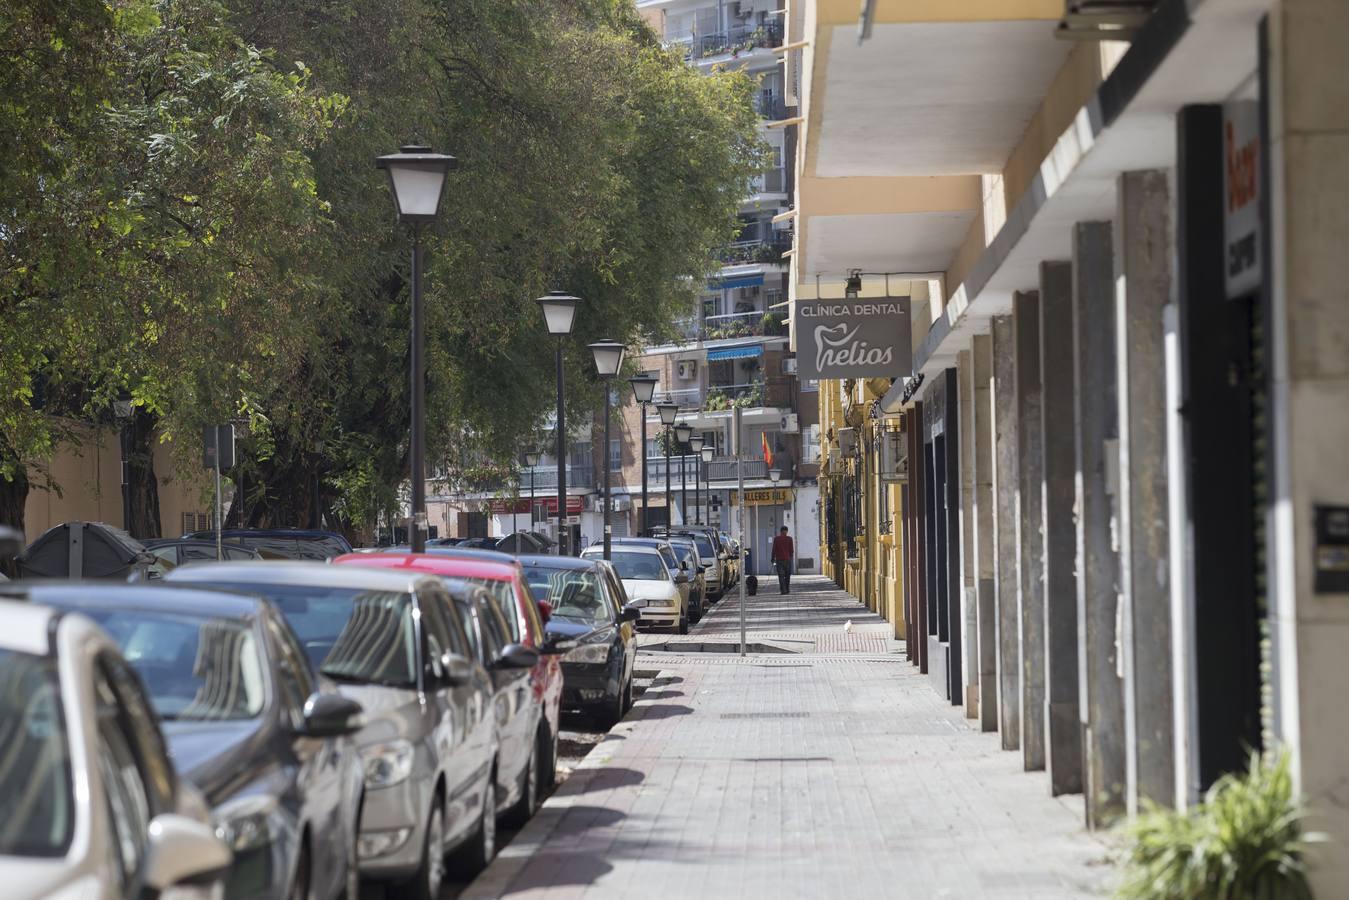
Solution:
(85, 550)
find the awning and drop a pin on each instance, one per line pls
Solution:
(741, 281)
(735, 353)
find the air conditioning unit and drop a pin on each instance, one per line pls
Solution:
(894, 463)
(688, 368)
(791, 424)
(847, 441)
(789, 365)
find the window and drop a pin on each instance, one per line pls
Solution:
(193, 521)
(810, 451)
(291, 675)
(37, 807)
(615, 454)
(772, 296)
(436, 632)
(495, 632)
(637, 565)
(468, 623)
(127, 798)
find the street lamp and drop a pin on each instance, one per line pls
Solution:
(608, 360)
(707, 453)
(531, 460)
(417, 179)
(682, 432)
(643, 390)
(559, 314)
(124, 411)
(668, 411)
(696, 445)
(775, 475)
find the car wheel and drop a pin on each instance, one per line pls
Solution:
(299, 885)
(627, 696)
(548, 759)
(431, 873)
(523, 809)
(683, 624)
(614, 710)
(482, 847)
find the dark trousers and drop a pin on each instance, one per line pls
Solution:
(784, 569)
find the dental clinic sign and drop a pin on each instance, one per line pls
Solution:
(853, 338)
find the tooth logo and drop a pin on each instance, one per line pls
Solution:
(838, 346)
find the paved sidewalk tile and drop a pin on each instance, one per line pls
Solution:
(824, 773)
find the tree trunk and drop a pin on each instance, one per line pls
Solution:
(13, 499)
(143, 517)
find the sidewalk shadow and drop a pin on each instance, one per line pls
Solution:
(662, 711)
(602, 780)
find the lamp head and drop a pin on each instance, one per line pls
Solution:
(775, 475)
(532, 458)
(416, 179)
(559, 312)
(667, 411)
(643, 387)
(608, 357)
(682, 432)
(696, 443)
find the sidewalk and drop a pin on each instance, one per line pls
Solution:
(826, 772)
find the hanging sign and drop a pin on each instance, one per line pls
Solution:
(853, 338)
(1241, 197)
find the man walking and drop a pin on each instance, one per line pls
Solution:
(784, 552)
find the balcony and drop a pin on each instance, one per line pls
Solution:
(733, 41)
(744, 253)
(756, 323)
(721, 469)
(687, 399)
(770, 105)
(545, 478)
(723, 397)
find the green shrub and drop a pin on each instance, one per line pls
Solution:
(1243, 842)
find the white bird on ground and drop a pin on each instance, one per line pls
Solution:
(847, 626)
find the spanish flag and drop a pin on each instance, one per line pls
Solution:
(767, 453)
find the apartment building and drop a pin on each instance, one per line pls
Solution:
(1106, 507)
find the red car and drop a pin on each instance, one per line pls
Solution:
(505, 582)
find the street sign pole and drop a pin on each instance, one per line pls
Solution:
(740, 518)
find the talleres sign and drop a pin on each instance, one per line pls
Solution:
(854, 338)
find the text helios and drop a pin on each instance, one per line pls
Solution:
(854, 338)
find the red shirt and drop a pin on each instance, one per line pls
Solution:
(783, 548)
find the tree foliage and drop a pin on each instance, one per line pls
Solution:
(201, 222)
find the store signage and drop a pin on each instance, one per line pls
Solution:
(763, 497)
(853, 338)
(1241, 197)
(547, 504)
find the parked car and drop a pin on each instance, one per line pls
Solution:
(592, 619)
(650, 584)
(695, 596)
(478, 543)
(709, 547)
(391, 640)
(289, 543)
(696, 568)
(170, 553)
(91, 807)
(524, 617)
(732, 548)
(246, 722)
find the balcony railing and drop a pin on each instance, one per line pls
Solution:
(747, 324)
(686, 399)
(770, 105)
(721, 469)
(774, 181)
(743, 253)
(734, 41)
(545, 478)
(724, 469)
(722, 397)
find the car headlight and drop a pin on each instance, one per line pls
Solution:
(245, 823)
(595, 650)
(387, 764)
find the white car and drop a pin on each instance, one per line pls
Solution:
(649, 583)
(90, 805)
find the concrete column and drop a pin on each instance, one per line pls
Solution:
(985, 550)
(1063, 738)
(1007, 593)
(1142, 290)
(1100, 685)
(1030, 542)
(969, 620)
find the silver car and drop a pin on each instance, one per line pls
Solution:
(393, 640)
(90, 805)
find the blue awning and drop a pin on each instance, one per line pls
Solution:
(735, 353)
(741, 281)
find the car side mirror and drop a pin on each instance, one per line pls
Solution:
(331, 715)
(180, 850)
(681, 578)
(545, 611)
(516, 656)
(629, 613)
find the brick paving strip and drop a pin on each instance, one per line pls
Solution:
(837, 773)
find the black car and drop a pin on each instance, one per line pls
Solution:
(590, 611)
(247, 722)
(174, 552)
(289, 543)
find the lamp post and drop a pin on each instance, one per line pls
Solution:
(559, 314)
(643, 389)
(706, 454)
(531, 460)
(682, 432)
(417, 179)
(667, 411)
(124, 411)
(696, 445)
(608, 360)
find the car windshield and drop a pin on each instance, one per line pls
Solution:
(633, 565)
(575, 594)
(704, 543)
(684, 552)
(349, 634)
(37, 810)
(195, 667)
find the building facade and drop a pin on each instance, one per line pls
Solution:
(1105, 508)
